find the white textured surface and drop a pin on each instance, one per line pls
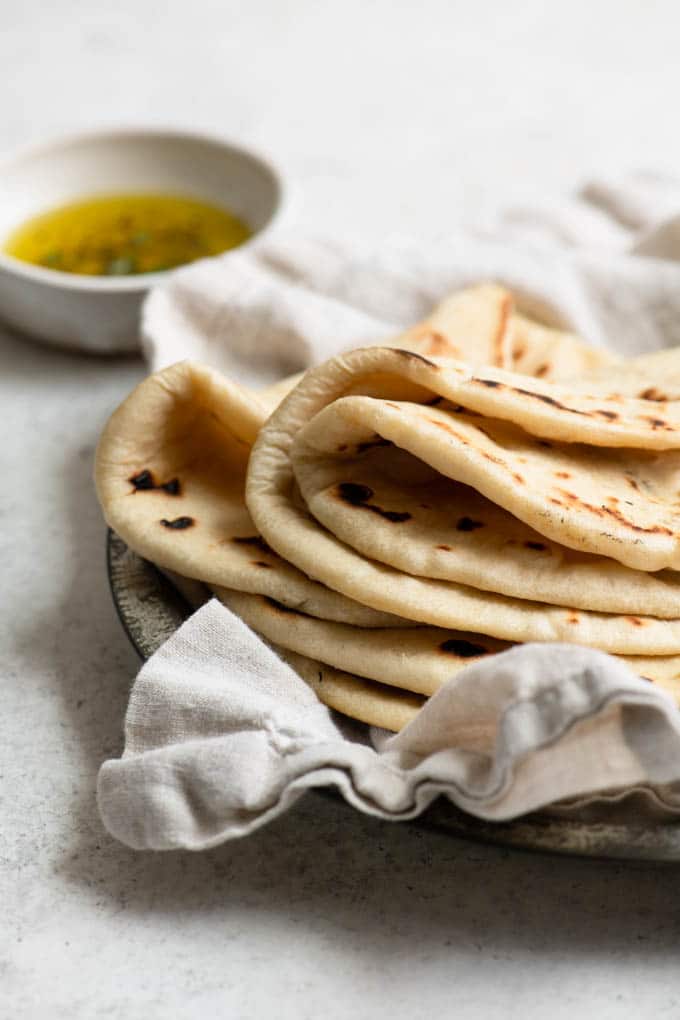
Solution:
(390, 116)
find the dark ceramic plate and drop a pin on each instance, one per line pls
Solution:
(151, 609)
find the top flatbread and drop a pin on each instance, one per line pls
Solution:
(490, 433)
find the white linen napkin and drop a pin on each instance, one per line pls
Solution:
(221, 735)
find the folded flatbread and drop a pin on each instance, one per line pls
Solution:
(613, 502)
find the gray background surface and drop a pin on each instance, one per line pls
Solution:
(386, 117)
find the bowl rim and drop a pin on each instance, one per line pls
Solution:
(133, 283)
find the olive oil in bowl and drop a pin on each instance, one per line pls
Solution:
(126, 234)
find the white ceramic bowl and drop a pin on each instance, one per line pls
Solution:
(101, 314)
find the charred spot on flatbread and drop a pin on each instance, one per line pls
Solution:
(178, 523)
(468, 524)
(144, 481)
(657, 423)
(602, 510)
(651, 393)
(438, 345)
(358, 495)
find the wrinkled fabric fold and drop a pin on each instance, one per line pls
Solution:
(222, 736)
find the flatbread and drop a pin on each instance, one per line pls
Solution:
(472, 325)
(325, 421)
(551, 354)
(611, 501)
(170, 474)
(617, 503)
(417, 660)
(365, 700)
(653, 377)
(362, 699)
(389, 506)
(482, 326)
(392, 708)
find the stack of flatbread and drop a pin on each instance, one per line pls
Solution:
(402, 510)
